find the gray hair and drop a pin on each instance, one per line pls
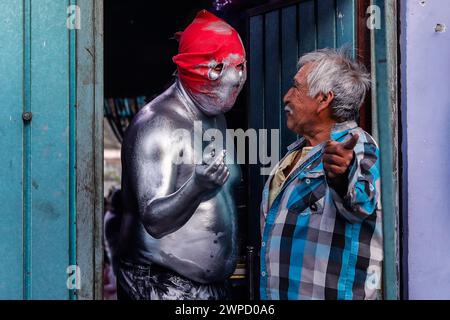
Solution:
(335, 71)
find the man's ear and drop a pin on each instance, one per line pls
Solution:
(325, 101)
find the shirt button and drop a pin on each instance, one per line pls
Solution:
(263, 244)
(263, 273)
(308, 181)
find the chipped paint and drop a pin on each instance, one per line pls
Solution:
(341, 22)
(440, 28)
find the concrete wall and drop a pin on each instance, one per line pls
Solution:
(425, 82)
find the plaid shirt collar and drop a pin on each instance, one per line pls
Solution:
(337, 132)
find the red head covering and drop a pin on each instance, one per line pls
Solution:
(206, 40)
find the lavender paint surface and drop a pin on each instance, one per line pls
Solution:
(425, 81)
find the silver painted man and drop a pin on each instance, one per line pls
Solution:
(178, 233)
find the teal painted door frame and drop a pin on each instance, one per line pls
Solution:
(385, 100)
(89, 144)
(50, 148)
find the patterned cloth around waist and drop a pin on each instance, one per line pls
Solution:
(154, 282)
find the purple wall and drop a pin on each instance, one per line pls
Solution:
(425, 82)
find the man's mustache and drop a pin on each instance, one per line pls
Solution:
(288, 109)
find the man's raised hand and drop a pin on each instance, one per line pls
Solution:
(338, 156)
(213, 173)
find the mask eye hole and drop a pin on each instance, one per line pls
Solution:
(241, 67)
(215, 72)
(218, 68)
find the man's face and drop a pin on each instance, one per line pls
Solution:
(300, 108)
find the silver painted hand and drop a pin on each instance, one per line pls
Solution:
(212, 174)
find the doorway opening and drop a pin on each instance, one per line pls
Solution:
(139, 45)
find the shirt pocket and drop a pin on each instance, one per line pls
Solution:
(309, 194)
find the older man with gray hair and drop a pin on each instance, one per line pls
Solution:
(320, 213)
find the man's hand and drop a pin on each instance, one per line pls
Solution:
(213, 174)
(338, 156)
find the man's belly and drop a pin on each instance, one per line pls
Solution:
(203, 250)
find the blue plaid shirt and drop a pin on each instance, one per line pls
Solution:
(315, 244)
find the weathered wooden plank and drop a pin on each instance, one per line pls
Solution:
(256, 117)
(256, 121)
(326, 24)
(11, 133)
(98, 150)
(384, 55)
(307, 27)
(289, 54)
(90, 149)
(345, 24)
(49, 149)
(272, 79)
(85, 149)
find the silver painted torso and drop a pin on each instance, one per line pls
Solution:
(204, 249)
